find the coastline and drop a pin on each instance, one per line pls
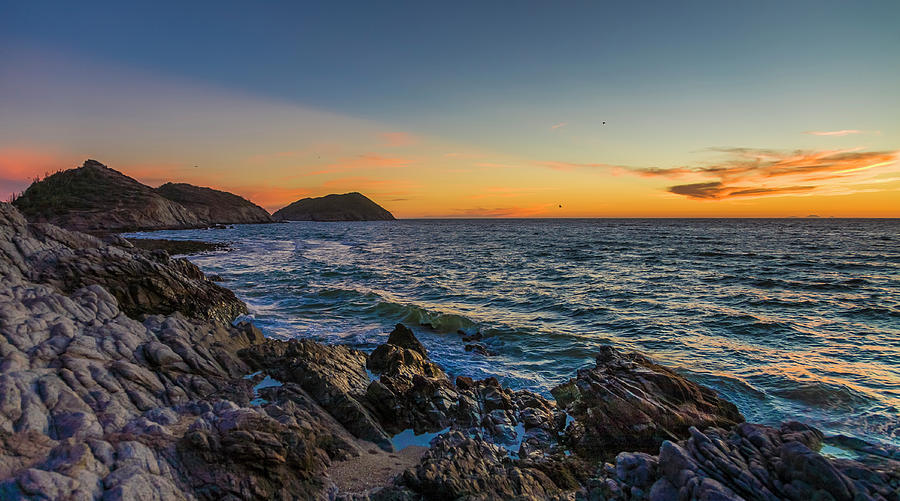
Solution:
(170, 399)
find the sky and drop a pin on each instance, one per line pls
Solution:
(468, 109)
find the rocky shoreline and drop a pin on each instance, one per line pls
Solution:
(123, 377)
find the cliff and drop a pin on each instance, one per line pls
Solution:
(346, 207)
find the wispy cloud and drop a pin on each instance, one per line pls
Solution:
(748, 172)
(559, 125)
(845, 132)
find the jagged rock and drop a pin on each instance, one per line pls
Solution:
(403, 355)
(627, 402)
(749, 462)
(459, 467)
(99, 404)
(334, 376)
(142, 282)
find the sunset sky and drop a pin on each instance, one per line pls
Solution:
(468, 109)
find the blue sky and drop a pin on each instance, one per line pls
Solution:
(531, 80)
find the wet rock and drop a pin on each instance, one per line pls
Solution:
(627, 402)
(335, 376)
(479, 349)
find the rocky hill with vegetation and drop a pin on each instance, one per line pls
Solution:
(95, 198)
(347, 207)
(214, 206)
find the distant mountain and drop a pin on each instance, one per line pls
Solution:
(346, 207)
(94, 197)
(214, 206)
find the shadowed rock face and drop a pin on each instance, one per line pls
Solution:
(214, 206)
(96, 403)
(346, 207)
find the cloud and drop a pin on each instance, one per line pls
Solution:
(394, 139)
(716, 190)
(748, 172)
(559, 125)
(845, 132)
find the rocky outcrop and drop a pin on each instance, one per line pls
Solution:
(110, 398)
(346, 207)
(214, 206)
(334, 376)
(627, 402)
(98, 199)
(94, 197)
(142, 282)
(747, 462)
(99, 404)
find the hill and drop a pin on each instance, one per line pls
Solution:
(214, 206)
(346, 207)
(94, 197)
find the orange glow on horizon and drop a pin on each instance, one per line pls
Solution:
(847, 183)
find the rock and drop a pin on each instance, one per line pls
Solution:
(97, 403)
(749, 462)
(479, 349)
(459, 467)
(346, 207)
(627, 402)
(142, 282)
(334, 376)
(403, 354)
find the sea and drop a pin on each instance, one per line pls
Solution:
(790, 319)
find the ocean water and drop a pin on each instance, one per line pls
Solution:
(787, 318)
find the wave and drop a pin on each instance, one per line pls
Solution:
(418, 316)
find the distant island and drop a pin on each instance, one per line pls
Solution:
(347, 207)
(96, 198)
